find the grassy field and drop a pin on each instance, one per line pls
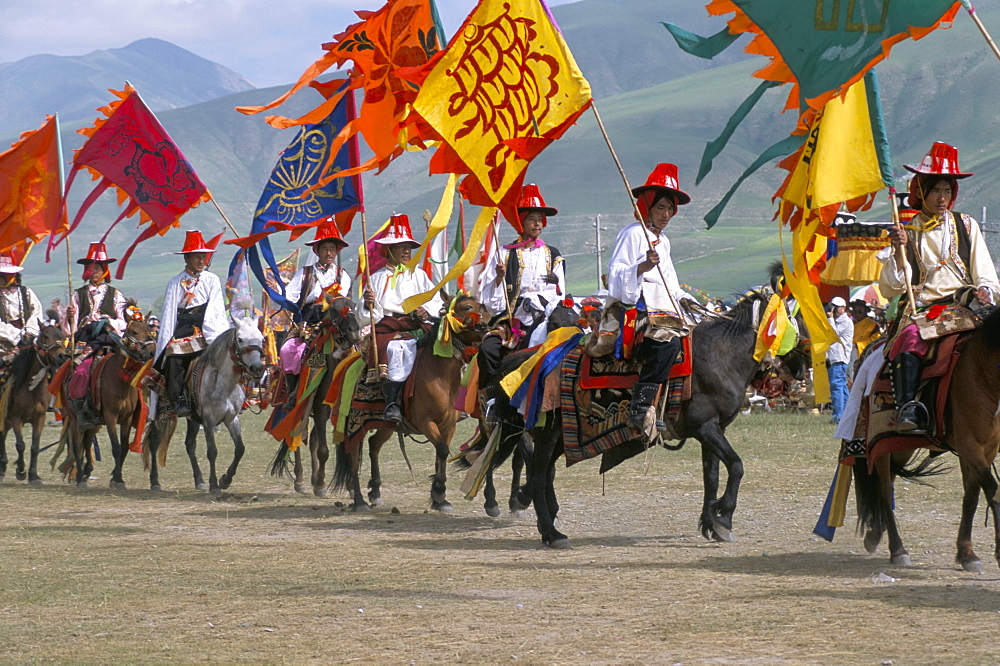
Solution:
(262, 575)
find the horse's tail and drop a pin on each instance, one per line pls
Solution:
(871, 515)
(930, 465)
(5, 394)
(342, 470)
(279, 464)
(159, 431)
(463, 460)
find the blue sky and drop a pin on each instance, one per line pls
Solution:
(268, 41)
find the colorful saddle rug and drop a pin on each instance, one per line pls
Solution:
(877, 420)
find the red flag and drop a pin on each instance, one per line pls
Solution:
(130, 150)
(31, 188)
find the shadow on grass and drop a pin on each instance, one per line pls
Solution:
(100, 488)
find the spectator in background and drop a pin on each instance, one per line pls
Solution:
(838, 355)
(866, 329)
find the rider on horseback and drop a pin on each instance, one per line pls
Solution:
(643, 284)
(397, 331)
(312, 288)
(20, 310)
(193, 316)
(947, 262)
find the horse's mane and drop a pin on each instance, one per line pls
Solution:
(432, 335)
(990, 330)
(740, 318)
(217, 352)
(21, 365)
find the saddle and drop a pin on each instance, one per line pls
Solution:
(877, 420)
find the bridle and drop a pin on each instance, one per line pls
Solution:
(236, 354)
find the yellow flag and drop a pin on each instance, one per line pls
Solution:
(506, 83)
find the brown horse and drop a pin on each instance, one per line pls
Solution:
(346, 332)
(972, 426)
(25, 398)
(431, 411)
(118, 403)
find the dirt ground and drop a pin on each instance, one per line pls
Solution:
(263, 575)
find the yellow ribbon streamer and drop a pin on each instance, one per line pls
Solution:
(440, 220)
(557, 337)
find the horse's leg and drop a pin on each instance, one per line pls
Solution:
(211, 452)
(354, 461)
(36, 439)
(152, 440)
(81, 452)
(319, 450)
(236, 432)
(897, 552)
(712, 436)
(375, 443)
(3, 453)
(119, 449)
(521, 497)
(191, 445)
(965, 555)
(540, 477)
(710, 481)
(19, 471)
(300, 482)
(516, 468)
(439, 485)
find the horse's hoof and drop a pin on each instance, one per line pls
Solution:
(560, 542)
(901, 560)
(118, 485)
(871, 543)
(376, 501)
(361, 508)
(201, 486)
(302, 490)
(320, 492)
(155, 488)
(973, 566)
(518, 513)
(492, 511)
(721, 533)
(3, 478)
(443, 506)
(225, 481)
(35, 482)
(81, 484)
(20, 476)
(216, 491)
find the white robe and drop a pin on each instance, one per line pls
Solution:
(33, 322)
(96, 297)
(533, 287)
(208, 290)
(625, 285)
(321, 280)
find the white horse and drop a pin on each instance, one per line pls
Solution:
(217, 383)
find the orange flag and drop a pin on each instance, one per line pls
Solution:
(403, 33)
(31, 188)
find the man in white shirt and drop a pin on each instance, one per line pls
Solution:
(644, 280)
(194, 315)
(95, 301)
(20, 310)
(397, 331)
(947, 262)
(838, 356)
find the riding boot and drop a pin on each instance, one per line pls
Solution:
(487, 404)
(182, 407)
(643, 395)
(85, 413)
(393, 411)
(905, 380)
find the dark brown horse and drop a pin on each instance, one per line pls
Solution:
(431, 410)
(24, 399)
(723, 366)
(972, 433)
(346, 332)
(118, 401)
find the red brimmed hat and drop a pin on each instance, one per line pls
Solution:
(7, 265)
(193, 242)
(328, 231)
(531, 201)
(97, 252)
(398, 231)
(941, 160)
(663, 178)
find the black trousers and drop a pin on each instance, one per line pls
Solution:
(490, 354)
(657, 358)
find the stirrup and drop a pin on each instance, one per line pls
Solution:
(911, 423)
(393, 414)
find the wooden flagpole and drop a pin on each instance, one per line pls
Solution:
(368, 285)
(979, 24)
(69, 261)
(496, 247)
(635, 206)
(901, 251)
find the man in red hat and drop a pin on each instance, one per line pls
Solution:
(947, 262)
(20, 310)
(531, 276)
(641, 277)
(397, 331)
(194, 314)
(96, 304)
(322, 280)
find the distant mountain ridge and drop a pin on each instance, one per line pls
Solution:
(168, 77)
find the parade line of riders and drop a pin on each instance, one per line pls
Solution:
(946, 262)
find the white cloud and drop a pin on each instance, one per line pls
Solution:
(268, 42)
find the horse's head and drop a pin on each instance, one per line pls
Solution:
(471, 317)
(248, 347)
(139, 340)
(564, 313)
(51, 346)
(592, 308)
(340, 317)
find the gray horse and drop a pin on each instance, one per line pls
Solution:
(217, 384)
